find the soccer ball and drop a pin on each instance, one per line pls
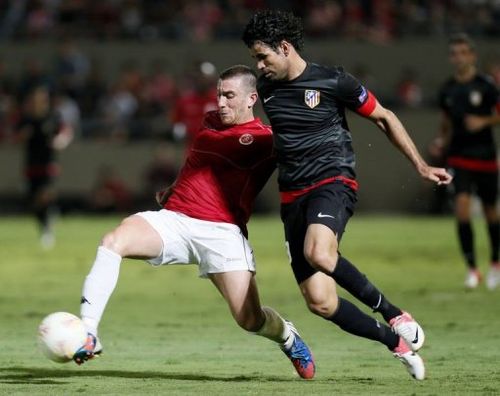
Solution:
(60, 335)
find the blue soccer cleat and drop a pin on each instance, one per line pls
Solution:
(299, 354)
(89, 350)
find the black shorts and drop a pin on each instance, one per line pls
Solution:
(331, 205)
(37, 184)
(484, 184)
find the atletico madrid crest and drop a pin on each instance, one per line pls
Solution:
(311, 97)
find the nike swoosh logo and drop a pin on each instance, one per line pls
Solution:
(415, 340)
(324, 215)
(265, 100)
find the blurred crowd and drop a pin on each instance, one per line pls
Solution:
(137, 103)
(204, 20)
(149, 101)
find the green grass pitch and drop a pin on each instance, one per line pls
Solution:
(168, 332)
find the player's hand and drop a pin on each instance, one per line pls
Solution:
(475, 123)
(63, 138)
(437, 175)
(162, 196)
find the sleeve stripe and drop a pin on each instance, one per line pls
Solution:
(367, 108)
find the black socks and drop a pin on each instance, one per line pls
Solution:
(351, 319)
(356, 283)
(494, 233)
(466, 237)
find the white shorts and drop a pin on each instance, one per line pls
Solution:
(215, 247)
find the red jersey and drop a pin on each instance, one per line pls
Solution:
(225, 169)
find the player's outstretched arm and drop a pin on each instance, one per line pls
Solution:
(390, 124)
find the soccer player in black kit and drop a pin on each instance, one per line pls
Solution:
(43, 132)
(305, 104)
(468, 101)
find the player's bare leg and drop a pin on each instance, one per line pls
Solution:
(321, 251)
(133, 238)
(319, 291)
(321, 248)
(320, 294)
(240, 291)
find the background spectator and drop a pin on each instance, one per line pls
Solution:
(197, 96)
(110, 192)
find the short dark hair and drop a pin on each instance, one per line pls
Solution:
(240, 71)
(273, 26)
(461, 38)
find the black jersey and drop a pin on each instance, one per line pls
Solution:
(478, 97)
(311, 135)
(39, 151)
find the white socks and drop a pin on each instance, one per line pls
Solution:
(98, 287)
(274, 327)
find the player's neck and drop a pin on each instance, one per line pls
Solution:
(244, 120)
(466, 74)
(297, 67)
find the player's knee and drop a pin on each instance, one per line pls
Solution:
(323, 306)
(111, 241)
(115, 241)
(321, 259)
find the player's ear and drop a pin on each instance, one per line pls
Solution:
(285, 47)
(252, 98)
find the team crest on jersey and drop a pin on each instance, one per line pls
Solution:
(363, 95)
(475, 98)
(246, 139)
(312, 98)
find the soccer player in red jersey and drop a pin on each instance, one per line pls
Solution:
(306, 105)
(203, 221)
(470, 108)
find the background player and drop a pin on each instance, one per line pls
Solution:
(43, 132)
(468, 101)
(306, 104)
(204, 221)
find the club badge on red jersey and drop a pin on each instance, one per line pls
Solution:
(246, 139)
(312, 98)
